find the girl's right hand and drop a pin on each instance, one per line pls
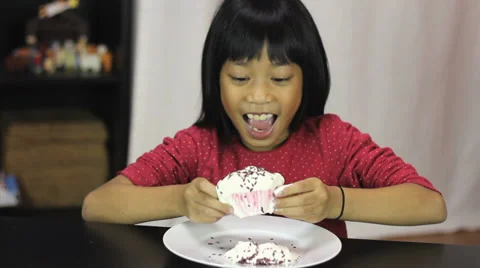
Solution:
(201, 203)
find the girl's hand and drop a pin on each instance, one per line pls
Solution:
(308, 200)
(200, 202)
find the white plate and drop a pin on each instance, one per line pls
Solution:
(206, 243)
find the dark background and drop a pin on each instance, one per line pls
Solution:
(107, 95)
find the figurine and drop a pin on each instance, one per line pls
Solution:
(70, 56)
(58, 55)
(105, 57)
(83, 39)
(90, 61)
(50, 48)
(51, 9)
(81, 49)
(48, 63)
(37, 63)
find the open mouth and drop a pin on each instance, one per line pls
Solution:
(260, 123)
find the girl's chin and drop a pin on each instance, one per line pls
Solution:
(260, 145)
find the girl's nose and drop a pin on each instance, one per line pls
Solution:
(259, 93)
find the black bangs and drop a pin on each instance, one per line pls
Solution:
(254, 27)
(239, 31)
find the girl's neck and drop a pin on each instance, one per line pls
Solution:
(256, 150)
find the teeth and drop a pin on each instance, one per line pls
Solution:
(259, 116)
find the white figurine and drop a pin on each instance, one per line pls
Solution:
(90, 62)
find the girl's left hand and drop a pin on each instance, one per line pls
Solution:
(308, 200)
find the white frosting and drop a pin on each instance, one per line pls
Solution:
(242, 251)
(249, 179)
(263, 254)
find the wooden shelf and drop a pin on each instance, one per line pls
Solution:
(20, 79)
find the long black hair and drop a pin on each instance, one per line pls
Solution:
(239, 30)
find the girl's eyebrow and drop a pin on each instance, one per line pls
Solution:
(246, 63)
(241, 62)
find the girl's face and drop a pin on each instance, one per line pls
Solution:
(261, 98)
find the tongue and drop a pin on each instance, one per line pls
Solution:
(261, 124)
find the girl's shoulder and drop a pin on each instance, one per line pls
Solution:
(331, 127)
(327, 123)
(196, 134)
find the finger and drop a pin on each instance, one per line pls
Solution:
(299, 187)
(301, 211)
(208, 201)
(204, 219)
(208, 212)
(208, 188)
(202, 214)
(303, 199)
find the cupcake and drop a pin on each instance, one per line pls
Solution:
(249, 191)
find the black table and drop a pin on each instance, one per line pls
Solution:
(69, 242)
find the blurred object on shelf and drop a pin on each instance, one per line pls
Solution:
(58, 156)
(57, 41)
(105, 58)
(19, 60)
(51, 9)
(57, 21)
(9, 191)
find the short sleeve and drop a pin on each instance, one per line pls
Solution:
(369, 164)
(172, 162)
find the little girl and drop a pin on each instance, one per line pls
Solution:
(265, 82)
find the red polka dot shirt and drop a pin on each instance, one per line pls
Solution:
(324, 147)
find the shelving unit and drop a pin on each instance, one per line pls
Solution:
(106, 95)
(12, 80)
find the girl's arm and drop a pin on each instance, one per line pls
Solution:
(391, 191)
(402, 204)
(379, 187)
(120, 201)
(151, 188)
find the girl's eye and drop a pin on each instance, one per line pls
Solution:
(239, 79)
(280, 80)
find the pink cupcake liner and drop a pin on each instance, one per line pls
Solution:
(253, 203)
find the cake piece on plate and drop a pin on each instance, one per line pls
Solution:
(260, 254)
